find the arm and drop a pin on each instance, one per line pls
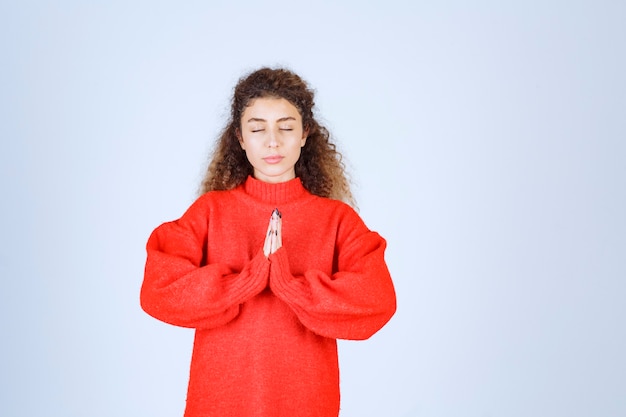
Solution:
(179, 289)
(352, 303)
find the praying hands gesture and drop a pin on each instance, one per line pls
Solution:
(274, 238)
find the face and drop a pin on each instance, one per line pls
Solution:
(272, 136)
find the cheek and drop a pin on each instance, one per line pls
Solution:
(247, 143)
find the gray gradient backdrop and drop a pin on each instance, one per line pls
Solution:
(486, 140)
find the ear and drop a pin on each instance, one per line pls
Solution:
(305, 134)
(239, 138)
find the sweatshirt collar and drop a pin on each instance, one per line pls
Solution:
(279, 193)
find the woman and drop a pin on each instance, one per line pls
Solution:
(269, 265)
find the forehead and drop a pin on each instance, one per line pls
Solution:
(270, 108)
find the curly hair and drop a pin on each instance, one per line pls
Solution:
(320, 166)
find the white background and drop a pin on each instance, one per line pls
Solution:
(486, 140)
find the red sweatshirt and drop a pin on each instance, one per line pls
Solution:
(266, 328)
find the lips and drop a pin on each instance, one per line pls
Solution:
(273, 159)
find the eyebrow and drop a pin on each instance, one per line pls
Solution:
(282, 119)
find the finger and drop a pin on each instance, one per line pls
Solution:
(274, 233)
(272, 242)
(267, 245)
(279, 233)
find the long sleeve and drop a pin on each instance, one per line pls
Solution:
(178, 287)
(354, 302)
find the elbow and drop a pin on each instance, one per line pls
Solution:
(146, 303)
(376, 323)
(367, 324)
(150, 303)
(380, 316)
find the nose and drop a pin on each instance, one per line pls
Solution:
(272, 138)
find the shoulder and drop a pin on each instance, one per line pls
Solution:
(338, 212)
(352, 234)
(330, 204)
(207, 203)
(215, 197)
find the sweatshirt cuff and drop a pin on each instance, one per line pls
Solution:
(282, 282)
(257, 272)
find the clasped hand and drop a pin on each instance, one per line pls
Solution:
(273, 238)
